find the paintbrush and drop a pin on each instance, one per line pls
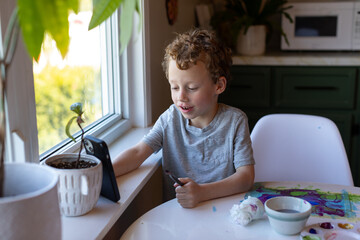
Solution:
(175, 179)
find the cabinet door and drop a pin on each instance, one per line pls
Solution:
(249, 87)
(315, 87)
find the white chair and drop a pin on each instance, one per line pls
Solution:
(296, 147)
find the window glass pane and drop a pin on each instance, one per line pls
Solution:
(61, 82)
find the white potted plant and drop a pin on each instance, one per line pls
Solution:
(29, 208)
(26, 215)
(80, 175)
(244, 24)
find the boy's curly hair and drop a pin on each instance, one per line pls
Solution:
(199, 45)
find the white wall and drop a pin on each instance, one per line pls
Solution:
(160, 35)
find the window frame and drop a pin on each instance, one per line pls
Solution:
(129, 83)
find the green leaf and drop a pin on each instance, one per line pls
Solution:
(31, 25)
(289, 18)
(102, 10)
(126, 20)
(67, 128)
(54, 17)
(11, 37)
(137, 9)
(77, 108)
(60, 32)
(43, 16)
(73, 5)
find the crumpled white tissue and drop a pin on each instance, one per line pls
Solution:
(248, 210)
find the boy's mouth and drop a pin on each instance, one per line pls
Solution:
(185, 109)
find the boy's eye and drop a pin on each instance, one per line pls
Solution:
(192, 88)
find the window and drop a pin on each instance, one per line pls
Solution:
(104, 87)
(86, 75)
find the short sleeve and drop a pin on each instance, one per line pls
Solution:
(243, 153)
(156, 135)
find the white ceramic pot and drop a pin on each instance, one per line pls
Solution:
(29, 208)
(79, 189)
(253, 43)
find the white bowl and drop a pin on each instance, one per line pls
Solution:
(287, 215)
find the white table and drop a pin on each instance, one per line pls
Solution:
(211, 219)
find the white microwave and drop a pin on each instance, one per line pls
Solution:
(322, 25)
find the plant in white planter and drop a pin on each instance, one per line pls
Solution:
(29, 207)
(244, 24)
(80, 175)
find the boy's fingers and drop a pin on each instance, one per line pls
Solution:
(179, 189)
(185, 180)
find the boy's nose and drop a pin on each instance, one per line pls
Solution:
(182, 96)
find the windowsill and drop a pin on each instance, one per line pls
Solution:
(96, 223)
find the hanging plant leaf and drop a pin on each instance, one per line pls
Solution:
(137, 9)
(54, 16)
(67, 128)
(102, 10)
(32, 28)
(43, 16)
(126, 19)
(73, 5)
(11, 37)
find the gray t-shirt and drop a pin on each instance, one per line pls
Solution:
(204, 155)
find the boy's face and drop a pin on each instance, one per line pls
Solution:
(194, 93)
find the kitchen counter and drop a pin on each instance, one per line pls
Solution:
(300, 59)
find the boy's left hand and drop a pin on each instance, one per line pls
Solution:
(188, 195)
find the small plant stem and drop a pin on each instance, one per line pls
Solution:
(81, 144)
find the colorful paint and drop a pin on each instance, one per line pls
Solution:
(330, 236)
(325, 204)
(346, 226)
(326, 225)
(330, 231)
(311, 238)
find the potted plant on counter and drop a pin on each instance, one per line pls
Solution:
(29, 204)
(80, 175)
(248, 22)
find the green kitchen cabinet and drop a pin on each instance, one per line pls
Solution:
(315, 87)
(332, 92)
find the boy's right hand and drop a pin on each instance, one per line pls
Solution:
(189, 195)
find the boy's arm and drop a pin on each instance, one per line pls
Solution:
(131, 158)
(192, 193)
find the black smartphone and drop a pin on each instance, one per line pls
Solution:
(99, 149)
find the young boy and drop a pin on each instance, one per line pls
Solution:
(205, 143)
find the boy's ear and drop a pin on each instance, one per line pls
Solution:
(220, 85)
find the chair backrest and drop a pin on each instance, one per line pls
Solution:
(296, 147)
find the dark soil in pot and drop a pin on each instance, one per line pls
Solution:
(72, 164)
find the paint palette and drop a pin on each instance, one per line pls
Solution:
(331, 231)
